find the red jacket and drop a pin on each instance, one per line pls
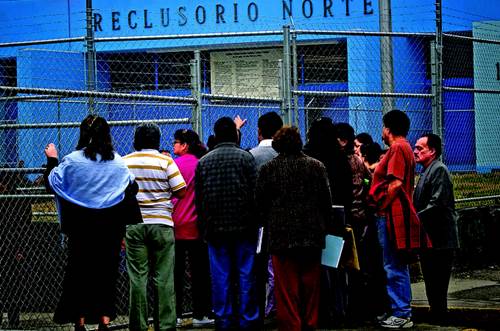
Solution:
(403, 224)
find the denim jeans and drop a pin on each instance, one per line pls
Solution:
(231, 262)
(397, 273)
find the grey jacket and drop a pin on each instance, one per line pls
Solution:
(435, 205)
(263, 153)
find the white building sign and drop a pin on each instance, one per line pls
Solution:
(252, 73)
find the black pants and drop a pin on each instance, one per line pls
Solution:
(89, 285)
(436, 268)
(196, 252)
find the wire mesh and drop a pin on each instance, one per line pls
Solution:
(45, 92)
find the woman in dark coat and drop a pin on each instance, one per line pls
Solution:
(293, 198)
(90, 187)
(323, 145)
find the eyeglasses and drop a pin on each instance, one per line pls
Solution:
(176, 142)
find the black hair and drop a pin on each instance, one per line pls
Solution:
(321, 135)
(191, 138)
(287, 141)
(95, 138)
(364, 138)
(225, 130)
(147, 136)
(211, 142)
(345, 131)
(322, 144)
(434, 142)
(397, 122)
(269, 124)
(371, 152)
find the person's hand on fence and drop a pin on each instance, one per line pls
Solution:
(239, 122)
(51, 150)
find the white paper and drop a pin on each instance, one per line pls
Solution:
(333, 250)
(259, 240)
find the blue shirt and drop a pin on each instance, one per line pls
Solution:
(91, 184)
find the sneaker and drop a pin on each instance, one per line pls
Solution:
(184, 322)
(205, 321)
(381, 318)
(394, 322)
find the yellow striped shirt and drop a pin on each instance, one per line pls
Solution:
(157, 176)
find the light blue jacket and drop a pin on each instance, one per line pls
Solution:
(90, 184)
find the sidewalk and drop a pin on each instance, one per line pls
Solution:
(474, 304)
(471, 302)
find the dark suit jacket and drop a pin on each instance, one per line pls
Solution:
(435, 205)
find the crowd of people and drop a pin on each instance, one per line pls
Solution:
(252, 225)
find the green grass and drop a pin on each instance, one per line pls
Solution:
(465, 185)
(476, 185)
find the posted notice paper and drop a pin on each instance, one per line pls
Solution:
(333, 250)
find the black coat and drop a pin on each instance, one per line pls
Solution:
(435, 204)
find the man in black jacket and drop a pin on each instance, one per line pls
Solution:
(435, 204)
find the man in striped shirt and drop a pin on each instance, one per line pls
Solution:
(150, 245)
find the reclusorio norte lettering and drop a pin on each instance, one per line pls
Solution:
(221, 14)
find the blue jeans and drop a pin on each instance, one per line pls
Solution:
(232, 262)
(397, 273)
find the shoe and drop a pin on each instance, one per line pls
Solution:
(381, 318)
(394, 322)
(205, 321)
(184, 322)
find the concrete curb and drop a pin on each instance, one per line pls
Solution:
(487, 318)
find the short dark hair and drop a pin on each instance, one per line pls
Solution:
(147, 136)
(371, 152)
(364, 138)
(211, 142)
(397, 122)
(269, 124)
(345, 131)
(434, 142)
(225, 130)
(287, 140)
(95, 138)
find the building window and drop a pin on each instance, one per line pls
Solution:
(174, 71)
(149, 71)
(8, 73)
(322, 63)
(458, 57)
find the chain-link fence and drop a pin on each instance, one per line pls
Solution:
(446, 83)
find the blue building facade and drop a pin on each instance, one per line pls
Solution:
(467, 148)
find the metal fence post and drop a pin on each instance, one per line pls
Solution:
(3, 108)
(281, 89)
(386, 59)
(295, 73)
(90, 55)
(287, 83)
(196, 93)
(437, 76)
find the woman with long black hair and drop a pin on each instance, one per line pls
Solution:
(95, 195)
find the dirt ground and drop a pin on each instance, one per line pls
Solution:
(490, 273)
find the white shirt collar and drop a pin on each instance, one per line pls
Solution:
(266, 143)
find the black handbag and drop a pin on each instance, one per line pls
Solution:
(131, 212)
